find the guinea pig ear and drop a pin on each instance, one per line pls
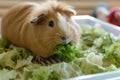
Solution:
(39, 19)
(69, 11)
(34, 21)
(65, 9)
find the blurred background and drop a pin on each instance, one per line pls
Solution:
(82, 7)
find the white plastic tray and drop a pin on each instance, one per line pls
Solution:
(88, 20)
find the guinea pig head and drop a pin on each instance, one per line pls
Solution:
(53, 25)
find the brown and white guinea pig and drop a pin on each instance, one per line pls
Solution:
(40, 27)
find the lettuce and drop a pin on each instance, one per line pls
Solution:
(103, 42)
(3, 43)
(6, 74)
(54, 72)
(14, 58)
(92, 64)
(67, 70)
(67, 52)
(88, 35)
(113, 55)
(45, 74)
(41, 73)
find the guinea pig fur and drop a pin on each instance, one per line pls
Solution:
(40, 27)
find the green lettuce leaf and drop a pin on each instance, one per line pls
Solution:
(54, 72)
(112, 55)
(67, 70)
(67, 52)
(92, 64)
(103, 42)
(8, 74)
(14, 59)
(3, 43)
(89, 34)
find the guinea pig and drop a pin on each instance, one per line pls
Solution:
(40, 27)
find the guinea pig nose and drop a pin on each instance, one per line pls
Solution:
(65, 40)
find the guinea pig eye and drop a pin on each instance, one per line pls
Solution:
(51, 23)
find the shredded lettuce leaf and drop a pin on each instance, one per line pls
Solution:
(92, 64)
(113, 55)
(54, 72)
(67, 52)
(6, 74)
(14, 59)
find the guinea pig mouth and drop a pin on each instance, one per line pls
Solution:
(66, 41)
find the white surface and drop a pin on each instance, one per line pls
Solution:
(114, 75)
